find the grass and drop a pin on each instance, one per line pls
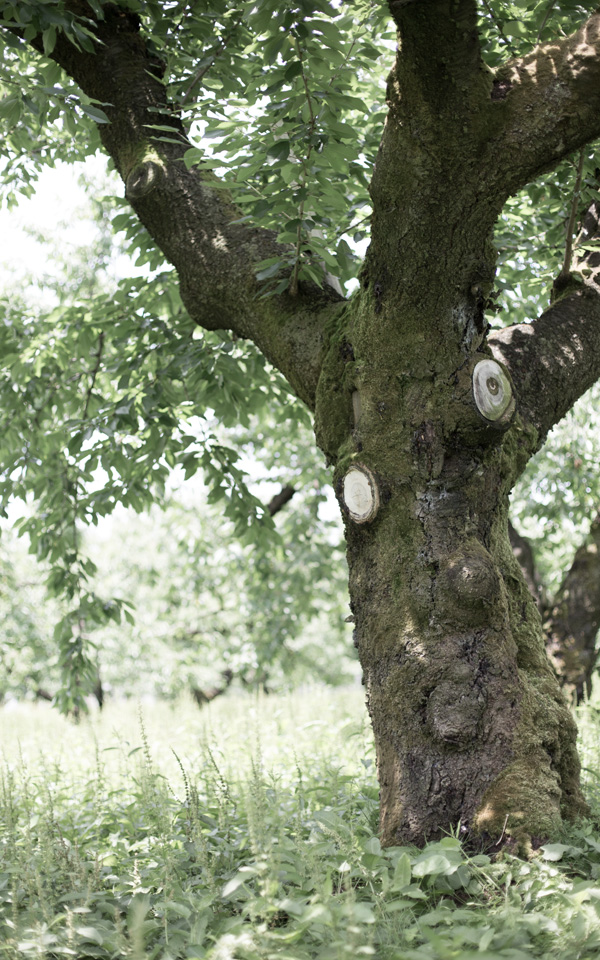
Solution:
(247, 831)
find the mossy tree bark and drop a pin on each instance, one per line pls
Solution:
(470, 724)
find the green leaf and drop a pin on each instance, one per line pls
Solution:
(280, 150)
(402, 872)
(270, 271)
(94, 112)
(49, 40)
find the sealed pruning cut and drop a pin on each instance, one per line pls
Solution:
(492, 391)
(361, 496)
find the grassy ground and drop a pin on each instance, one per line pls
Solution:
(247, 831)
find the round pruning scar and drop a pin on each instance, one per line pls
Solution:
(360, 494)
(143, 179)
(492, 391)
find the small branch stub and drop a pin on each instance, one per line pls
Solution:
(492, 392)
(360, 494)
(143, 179)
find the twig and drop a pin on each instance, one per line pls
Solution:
(566, 267)
(549, 9)
(498, 842)
(94, 374)
(499, 28)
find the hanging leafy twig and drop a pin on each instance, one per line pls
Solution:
(312, 126)
(303, 174)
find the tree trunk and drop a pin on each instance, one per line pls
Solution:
(523, 552)
(469, 722)
(572, 620)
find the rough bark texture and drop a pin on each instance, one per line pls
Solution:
(470, 725)
(469, 722)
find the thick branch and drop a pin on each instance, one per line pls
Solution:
(574, 619)
(187, 212)
(546, 105)
(554, 360)
(438, 41)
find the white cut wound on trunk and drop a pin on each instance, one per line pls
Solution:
(492, 391)
(360, 494)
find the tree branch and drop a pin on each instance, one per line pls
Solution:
(187, 212)
(554, 360)
(280, 499)
(546, 105)
(439, 47)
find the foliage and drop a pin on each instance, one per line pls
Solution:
(204, 604)
(100, 405)
(216, 584)
(28, 655)
(219, 851)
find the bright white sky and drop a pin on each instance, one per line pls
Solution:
(53, 211)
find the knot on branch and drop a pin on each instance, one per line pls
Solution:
(144, 178)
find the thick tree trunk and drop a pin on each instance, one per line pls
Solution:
(523, 552)
(469, 721)
(470, 725)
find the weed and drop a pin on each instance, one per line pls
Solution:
(269, 853)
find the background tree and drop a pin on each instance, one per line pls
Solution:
(426, 416)
(556, 499)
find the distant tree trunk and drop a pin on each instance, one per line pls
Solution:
(203, 697)
(99, 691)
(523, 552)
(572, 617)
